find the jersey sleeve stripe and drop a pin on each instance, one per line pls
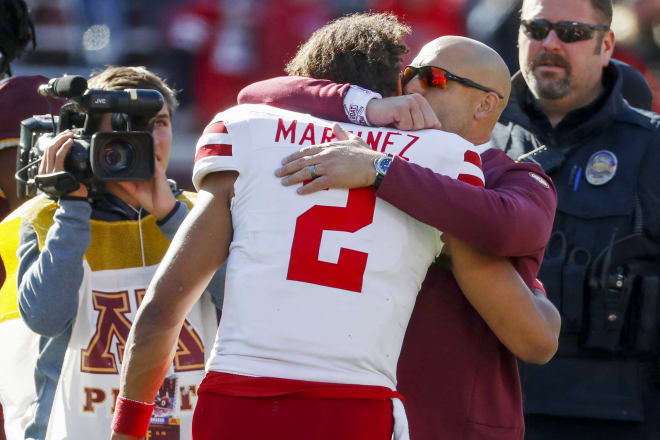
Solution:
(473, 158)
(213, 150)
(470, 168)
(215, 127)
(213, 144)
(470, 173)
(471, 179)
(213, 138)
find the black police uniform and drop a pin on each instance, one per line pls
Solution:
(601, 268)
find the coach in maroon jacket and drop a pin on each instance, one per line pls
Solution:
(457, 369)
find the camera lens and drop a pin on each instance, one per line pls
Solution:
(117, 157)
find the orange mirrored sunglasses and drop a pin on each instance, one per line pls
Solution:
(432, 76)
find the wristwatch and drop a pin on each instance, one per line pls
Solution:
(382, 164)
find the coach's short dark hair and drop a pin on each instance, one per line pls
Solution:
(604, 8)
(361, 49)
(126, 77)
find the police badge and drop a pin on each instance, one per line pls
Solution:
(601, 167)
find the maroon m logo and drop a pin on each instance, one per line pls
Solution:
(113, 326)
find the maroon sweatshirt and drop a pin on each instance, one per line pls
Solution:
(459, 381)
(19, 100)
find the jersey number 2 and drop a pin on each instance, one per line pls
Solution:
(348, 272)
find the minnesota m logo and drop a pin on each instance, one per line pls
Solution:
(112, 327)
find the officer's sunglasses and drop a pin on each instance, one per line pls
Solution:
(567, 31)
(431, 76)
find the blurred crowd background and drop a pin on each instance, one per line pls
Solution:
(210, 49)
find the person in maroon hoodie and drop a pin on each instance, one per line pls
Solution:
(18, 101)
(457, 368)
(18, 95)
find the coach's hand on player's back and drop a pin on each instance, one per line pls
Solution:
(346, 163)
(406, 112)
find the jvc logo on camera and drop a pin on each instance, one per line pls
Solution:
(101, 101)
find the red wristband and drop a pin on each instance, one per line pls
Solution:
(132, 417)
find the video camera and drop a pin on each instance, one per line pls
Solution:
(96, 157)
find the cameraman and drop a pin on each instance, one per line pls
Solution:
(83, 269)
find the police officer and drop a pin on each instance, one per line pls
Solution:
(601, 267)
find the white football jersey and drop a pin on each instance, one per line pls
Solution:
(319, 287)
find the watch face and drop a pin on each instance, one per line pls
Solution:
(384, 164)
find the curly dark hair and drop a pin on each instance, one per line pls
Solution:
(16, 32)
(361, 49)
